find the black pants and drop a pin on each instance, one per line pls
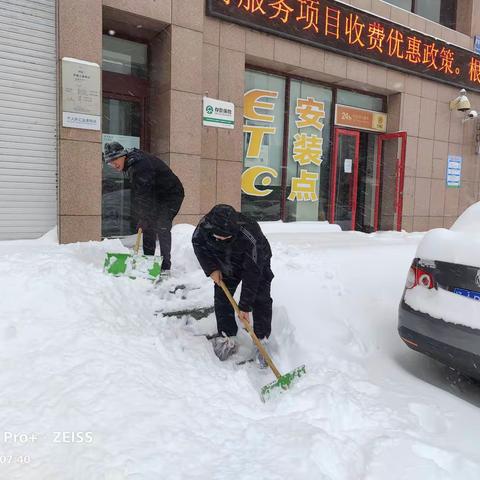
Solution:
(262, 309)
(161, 227)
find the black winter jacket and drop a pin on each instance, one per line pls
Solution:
(246, 257)
(153, 185)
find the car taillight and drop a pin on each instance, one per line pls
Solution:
(425, 279)
(417, 276)
(411, 278)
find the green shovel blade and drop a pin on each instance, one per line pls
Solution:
(133, 266)
(281, 384)
(116, 263)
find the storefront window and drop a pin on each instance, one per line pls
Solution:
(264, 105)
(405, 4)
(125, 57)
(308, 152)
(439, 11)
(359, 100)
(287, 171)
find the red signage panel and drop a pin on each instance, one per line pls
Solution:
(347, 30)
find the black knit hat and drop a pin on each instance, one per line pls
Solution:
(113, 150)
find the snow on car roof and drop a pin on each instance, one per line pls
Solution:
(460, 244)
(469, 220)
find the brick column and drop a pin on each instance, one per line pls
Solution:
(223, 78)
(176, 100)
(80, 174)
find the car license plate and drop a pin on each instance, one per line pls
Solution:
(467, 293)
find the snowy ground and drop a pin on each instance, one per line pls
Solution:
(94, 386)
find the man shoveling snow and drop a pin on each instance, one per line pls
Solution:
(231, 247)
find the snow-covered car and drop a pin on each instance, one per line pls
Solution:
(439, 314)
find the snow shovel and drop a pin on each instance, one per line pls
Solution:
(133, 266)
(283, 382)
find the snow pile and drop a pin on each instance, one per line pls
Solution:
(112, 390)
(182, 251)
(299, 227)
(50, 237)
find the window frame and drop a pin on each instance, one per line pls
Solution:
(413, 10)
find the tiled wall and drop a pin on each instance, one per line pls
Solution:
(418, 106)
(433, 133)
(222, 149)
(175, 105)
(200, 56)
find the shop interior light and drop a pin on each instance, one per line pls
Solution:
(112, 32)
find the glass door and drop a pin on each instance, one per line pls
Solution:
(125, 103)
(391, 149)
(367, 183)
(122, 122)
(344, 178)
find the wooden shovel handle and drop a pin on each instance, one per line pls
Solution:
(249, 329)
(137, 243)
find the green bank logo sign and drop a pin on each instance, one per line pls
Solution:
(217, 113)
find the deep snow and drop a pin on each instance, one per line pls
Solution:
(83, 352)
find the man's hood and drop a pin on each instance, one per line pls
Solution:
(223, 220)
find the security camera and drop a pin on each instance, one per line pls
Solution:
(461, 103)
(472, 114)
